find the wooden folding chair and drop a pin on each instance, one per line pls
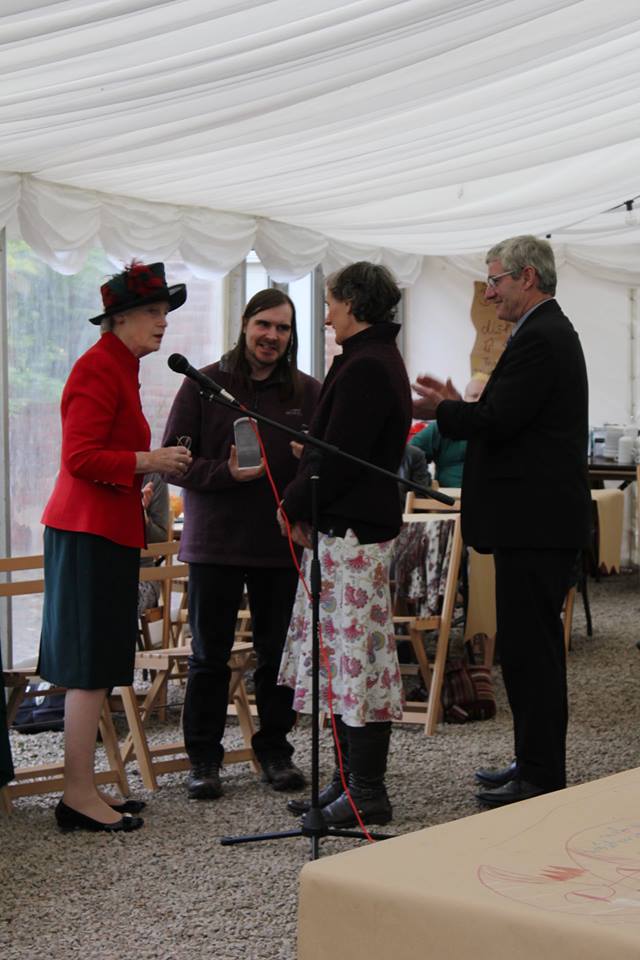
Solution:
(417, 625)
(166, 572)
(47, 778)
(415, 504)
(167, 664)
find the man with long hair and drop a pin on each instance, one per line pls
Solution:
(231, 539)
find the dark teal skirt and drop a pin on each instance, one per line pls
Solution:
(89, 618)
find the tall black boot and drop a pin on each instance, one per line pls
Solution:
(368, 751)
(334, 788)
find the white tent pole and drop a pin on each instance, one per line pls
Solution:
(317, 324)
(634, 366)
(634, 344)
(236, 286)
(5, 503)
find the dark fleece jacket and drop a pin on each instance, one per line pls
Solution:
(365, 410)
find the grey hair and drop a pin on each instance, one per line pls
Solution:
(516, 253)
(108, 324)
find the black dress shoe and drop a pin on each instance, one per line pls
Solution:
(510, 792)
(495, 778)
(203, 782)
(69, 819)
(281, 772)
(128, 806)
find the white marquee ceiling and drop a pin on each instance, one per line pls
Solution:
(317, 130)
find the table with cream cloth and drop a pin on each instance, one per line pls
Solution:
(609, 506)
(556, 876)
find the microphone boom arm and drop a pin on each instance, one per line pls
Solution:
(213, 391)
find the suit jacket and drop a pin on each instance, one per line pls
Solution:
(525, 481)
(97, 490)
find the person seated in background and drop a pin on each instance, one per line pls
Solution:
(413, 466)
(448, 455)
(155, 502)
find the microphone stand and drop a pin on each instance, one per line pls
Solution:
(313, 824)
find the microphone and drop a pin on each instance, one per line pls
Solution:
(180, 364)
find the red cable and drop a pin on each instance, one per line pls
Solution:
(323, 652)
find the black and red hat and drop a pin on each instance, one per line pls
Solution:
(138, 285)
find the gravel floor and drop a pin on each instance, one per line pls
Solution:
(171, 891)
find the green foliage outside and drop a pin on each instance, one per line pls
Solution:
(48, 322)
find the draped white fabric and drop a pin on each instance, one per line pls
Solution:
(616, 264)
(318, 130)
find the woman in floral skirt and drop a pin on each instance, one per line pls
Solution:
(365, 410)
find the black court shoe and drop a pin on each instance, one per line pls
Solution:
(69, 819)
(128, 806)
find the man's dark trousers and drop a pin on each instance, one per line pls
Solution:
(530, 589)
(215, 594)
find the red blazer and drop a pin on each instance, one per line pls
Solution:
(97, 490)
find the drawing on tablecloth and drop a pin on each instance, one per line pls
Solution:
(595, 876)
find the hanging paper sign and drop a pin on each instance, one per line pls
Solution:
(491, 333)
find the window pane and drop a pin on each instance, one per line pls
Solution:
(47, 331)
(300, 292)
(256, 277)
(331, 348)
(196, 331)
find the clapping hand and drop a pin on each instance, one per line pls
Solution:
(431, 392)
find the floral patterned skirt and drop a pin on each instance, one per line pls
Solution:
(356, 632)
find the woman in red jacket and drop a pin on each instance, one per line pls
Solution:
(94, 529)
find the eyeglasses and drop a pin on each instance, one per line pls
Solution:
(492, 281)
(184, 442)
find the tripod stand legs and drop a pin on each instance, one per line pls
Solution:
(314, 833)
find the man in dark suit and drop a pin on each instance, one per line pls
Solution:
(525, 498)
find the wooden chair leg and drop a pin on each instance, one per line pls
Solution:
(417, 642)
(568, 618)
(15, 699)
(5, 801)
(110, 744)
(243, 713)
(490, 650)
(434, 705)
(137, 740)
(583, 579)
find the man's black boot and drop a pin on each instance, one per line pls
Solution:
(281, 772)
(203, 782)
